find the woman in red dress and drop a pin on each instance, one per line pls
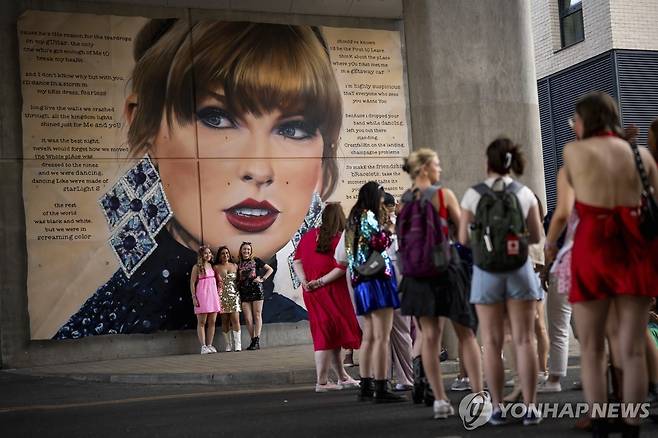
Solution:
(612, 263)
(330, 312)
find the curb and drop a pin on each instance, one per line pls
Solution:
(271, 378)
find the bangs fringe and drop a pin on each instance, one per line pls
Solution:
(259, 68)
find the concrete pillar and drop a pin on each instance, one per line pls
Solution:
(471, 74)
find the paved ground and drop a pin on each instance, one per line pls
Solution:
(266, 393)
(59, 407)
(270, 366)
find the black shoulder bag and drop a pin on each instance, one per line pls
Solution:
(649, 208)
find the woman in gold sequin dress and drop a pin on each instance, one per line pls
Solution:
(229, 299)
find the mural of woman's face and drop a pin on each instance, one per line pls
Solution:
(256, 174)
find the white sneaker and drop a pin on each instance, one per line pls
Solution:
(205, 350)
(542, 377)
(510, 383)
(329, 386)
(211, 348)
(442, 409)
(548, 386)
(463, 384)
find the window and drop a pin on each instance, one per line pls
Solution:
(571, 22)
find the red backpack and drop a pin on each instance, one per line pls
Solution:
(423, 234)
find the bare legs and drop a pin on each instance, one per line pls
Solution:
(253, 317)
(365, 353)
(257, 307)
(248, 318)
(522, 318)
(590, 317)
(432, 328)
(324, 359)
(375, 343)
(201, 319)
(210, 328)
(470, 356)
(632, 313)
(382, 322)
(205, 328)
(542, 336)
(491, 318)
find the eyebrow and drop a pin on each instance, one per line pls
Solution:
(216, 96)
(221, 98)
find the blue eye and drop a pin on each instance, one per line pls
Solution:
(296, 130)
(214, 117)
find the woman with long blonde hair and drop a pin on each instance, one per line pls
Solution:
(205, 297)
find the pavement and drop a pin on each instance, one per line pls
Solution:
(274, 366)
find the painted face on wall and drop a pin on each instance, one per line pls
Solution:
(252, 176)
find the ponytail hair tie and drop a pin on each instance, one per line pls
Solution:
(508, 160)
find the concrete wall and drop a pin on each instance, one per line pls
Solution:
(15, 346)
(471, 75)
(549, 56)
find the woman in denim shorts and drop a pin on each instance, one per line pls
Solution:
(514, 292)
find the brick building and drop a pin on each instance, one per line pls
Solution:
(587, 45)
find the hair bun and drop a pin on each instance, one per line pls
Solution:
(405, 166)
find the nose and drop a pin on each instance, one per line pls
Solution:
(259, 174)
(256, 164)
(258, 179)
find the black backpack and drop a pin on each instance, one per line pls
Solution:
(499, 235)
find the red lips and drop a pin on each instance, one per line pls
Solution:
(252, 216)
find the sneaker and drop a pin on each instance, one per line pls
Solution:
(542, 377)
(577, 385)
(532, 417)
(497, 418)
(329, 386)
(402, 387)
(205, 350)
(349, 383)
(211, 348)
(463, 384)
(442, 409)
(348, 361)
(444, 355)
(548, 386)
(510, 383)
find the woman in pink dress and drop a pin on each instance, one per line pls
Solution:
(330, 312)
(205, 296)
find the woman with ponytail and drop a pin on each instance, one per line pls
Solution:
(503, 291)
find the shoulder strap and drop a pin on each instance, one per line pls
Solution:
(407, 196)
(514, 187)
(639, 165)
(428, 193)
(443, 211)
(482, 188)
